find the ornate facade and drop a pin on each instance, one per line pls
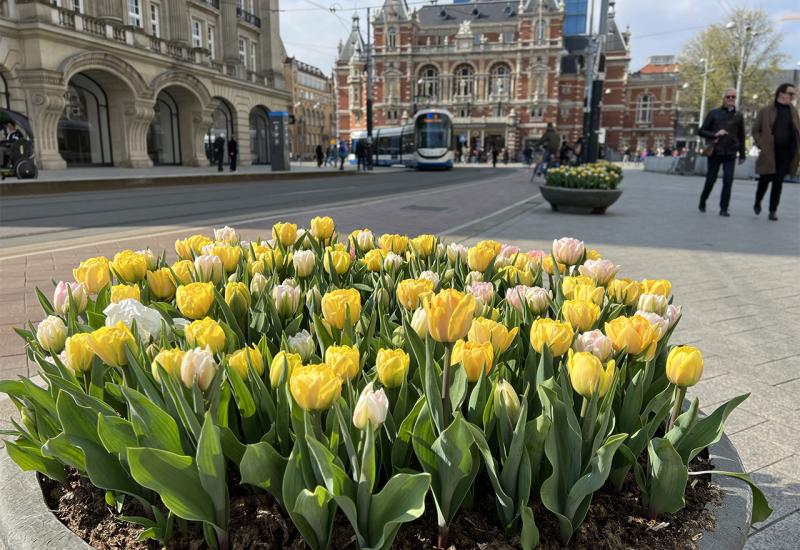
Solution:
(312, 108)
(503, 69)
(142, 82)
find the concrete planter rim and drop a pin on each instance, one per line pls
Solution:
(26, 523)
(579, 200)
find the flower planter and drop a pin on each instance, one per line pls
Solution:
(26, 523)
(581, 201)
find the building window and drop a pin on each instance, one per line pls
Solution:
(464, 82)
(134, 13)
(253, 56)
(77, 6)
(540, 32)
(501, 80)
(392, 88)
(155, 20)
(537, 113)
(428, 83)
(243, 52)
(4, 102)
(197, 42)
(644, 109)
(508, 37)
(476, 38)
(539, 84)
(463, 112)
(211, 40)
(392, 39)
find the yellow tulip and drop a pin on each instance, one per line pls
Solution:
(339, 258)
(393, 243)
(392, 366)
(506, 394)
(206, 332)
(280, 362)
(684, 366)
(271, 258)
(184, 271)
(256, 266)
(485, 330)
(237, 296)
(494, 245)
(657, 286)
(228, 254)
(589, 294)
(450, 314)
(474, 357)
(373, 260)
(94, 273)
(581, 314)
(569, 283)
(315, 387)
(624, 291)
(130, 266)
(337, 302)
(322, 228)
(423, 245)
(410, 292)
(78, 353)
(161, 284)
(515, 276)
(286, 233)
(344, 360)
(634, 334)
(238, 361)
(586, 374)
(557, 335)
(547, 266)
(125, 292)
(195, 299)
(592, 254)
(188, 248)
(479, 257)
(108, 343)
(170, 360)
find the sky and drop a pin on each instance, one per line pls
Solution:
(658, 27)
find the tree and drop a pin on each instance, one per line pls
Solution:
(745, 31)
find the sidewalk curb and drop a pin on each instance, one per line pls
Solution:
(36, 187)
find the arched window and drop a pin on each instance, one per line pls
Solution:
(163, 136)
(391, 39)
(4, 100)
(428, 83)
(464, 82)
(84, 135)
(392, 87)
(501, 80)
(539, 33)
(644, 109)
(539, 84)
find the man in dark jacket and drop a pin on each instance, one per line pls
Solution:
(233, 152)
(551, 142)
(725, 126)
(776, 133)
(219, 152)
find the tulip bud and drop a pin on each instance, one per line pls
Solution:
(537, 300)
(473, 277)
(237, 296)
(653, 303)
(392, 366)
(448, 275)
(515, 296)
(281, 362)
(601, 271)
(456, 253)
(430, 276)
(314, 300)
(392, 262)
(198, 366)
(78, 355)
(51, 334)
(286, 298)
(226, 234)
(659, 323)
(483, 292)
(673, 315)
(399, 337)
(441, 251)
(419, 322)
(501, 262)
(302, 344)
(382, 297)
(149, 257)
(304, 262)
(596, 343)
(371, 408)
(258, 284)
(208, 268)
(684, 366)
(506, 394)
(568, 251)
(61, 297)
(365, 240)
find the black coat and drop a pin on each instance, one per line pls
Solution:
(233, 147)
(729, 120)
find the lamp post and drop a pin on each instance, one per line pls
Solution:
(745, 43)
(706, 72)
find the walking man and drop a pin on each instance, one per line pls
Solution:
(342, 153)
(725, 127)
(233, 152)
(219, 152)
(776, 133)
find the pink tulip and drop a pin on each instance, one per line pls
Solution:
(596, 343)
(508, 251)
(61, 297)
(568, 250)
(516, 296)
(483, 292)
(602, 271)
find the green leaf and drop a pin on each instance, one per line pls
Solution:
(230, 318)
(311, 512)
(706, 431)
(62, 449)
(30, 458)
(244, 399)
(401, 448)
(433, 389)
(262, 466)
(152, 425)
(667, 478)
(456, 465)
(401, 500)
(211, 469)
(116, 434)
(761, 508)
(176, 479)
(44, 302)
(529, 537)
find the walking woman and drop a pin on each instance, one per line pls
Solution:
(776, 133)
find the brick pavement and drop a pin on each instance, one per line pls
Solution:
(736, 280)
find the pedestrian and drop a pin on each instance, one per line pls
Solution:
(219, 151)
(563, 153)
(551, 142)
(724, 130)
(495, 154)
(320, 156)
(233, 152)
(342, 153)
(776, 133)
(505, 155)
(361, 157)
(527, 154)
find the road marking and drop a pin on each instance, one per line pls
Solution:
(487, 216)
(170, 230)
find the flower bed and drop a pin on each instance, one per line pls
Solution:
(361, 385)
(599, 175)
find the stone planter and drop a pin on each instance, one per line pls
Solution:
(27, 524)
(580, 201)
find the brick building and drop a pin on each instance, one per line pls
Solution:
(504, 69)
(312, 108)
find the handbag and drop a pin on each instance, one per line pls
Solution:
(708, 150)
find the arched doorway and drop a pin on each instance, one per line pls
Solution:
(163, 136)
(259, 136)
(5, 102)
(84, 134)
(221, 127)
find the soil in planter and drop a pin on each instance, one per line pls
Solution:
(615, 520)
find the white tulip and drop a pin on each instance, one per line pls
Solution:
(208, 268)
(198, 366)
(51, 334)
(371, 408)
(302, 344)
(148, 320)
(304, 261)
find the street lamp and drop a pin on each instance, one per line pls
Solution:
(745, 44)
(706, 72)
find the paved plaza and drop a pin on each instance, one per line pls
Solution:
(735, 277)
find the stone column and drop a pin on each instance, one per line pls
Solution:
(46, 107)
(194, 124)
(242, 131)
(131, 133)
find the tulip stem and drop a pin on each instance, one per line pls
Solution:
(584, 406)
(448, 348)
(680, 394)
